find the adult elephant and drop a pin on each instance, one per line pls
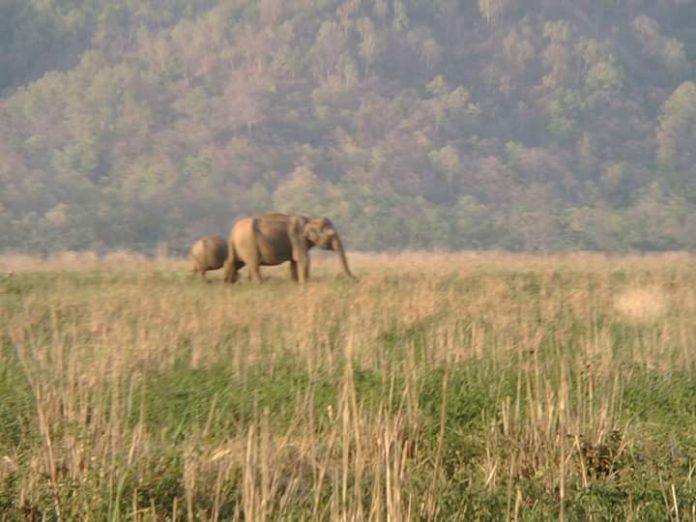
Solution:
(272, 239)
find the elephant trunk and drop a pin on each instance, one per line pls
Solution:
(337, 247)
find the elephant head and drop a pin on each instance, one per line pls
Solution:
(320, 232)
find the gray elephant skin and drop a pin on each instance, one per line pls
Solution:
(272, 239)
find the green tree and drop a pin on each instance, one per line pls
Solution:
(440, 124)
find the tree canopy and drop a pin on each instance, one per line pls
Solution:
(448, 124)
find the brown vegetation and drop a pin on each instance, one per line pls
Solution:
(436, 385)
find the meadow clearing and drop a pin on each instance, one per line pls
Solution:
(438, 387)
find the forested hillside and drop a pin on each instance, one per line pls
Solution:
(516, 124)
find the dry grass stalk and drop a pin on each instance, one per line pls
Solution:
(549, 322)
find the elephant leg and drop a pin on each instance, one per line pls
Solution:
(293, 270)
(252, 260)
(230, 273)
(299, 255)
(232, 265)
(303, 269)
(255, 273)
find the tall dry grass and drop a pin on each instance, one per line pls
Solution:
(440, 386)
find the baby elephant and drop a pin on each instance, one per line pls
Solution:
(208, 253)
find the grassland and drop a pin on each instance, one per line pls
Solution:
(438, 387)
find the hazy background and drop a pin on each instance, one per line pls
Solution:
(440, 124)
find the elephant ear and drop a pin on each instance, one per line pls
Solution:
(297, 232)
(312, 230)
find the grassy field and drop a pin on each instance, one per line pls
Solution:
(438, 387)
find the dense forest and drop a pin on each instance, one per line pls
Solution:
(439, 124)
